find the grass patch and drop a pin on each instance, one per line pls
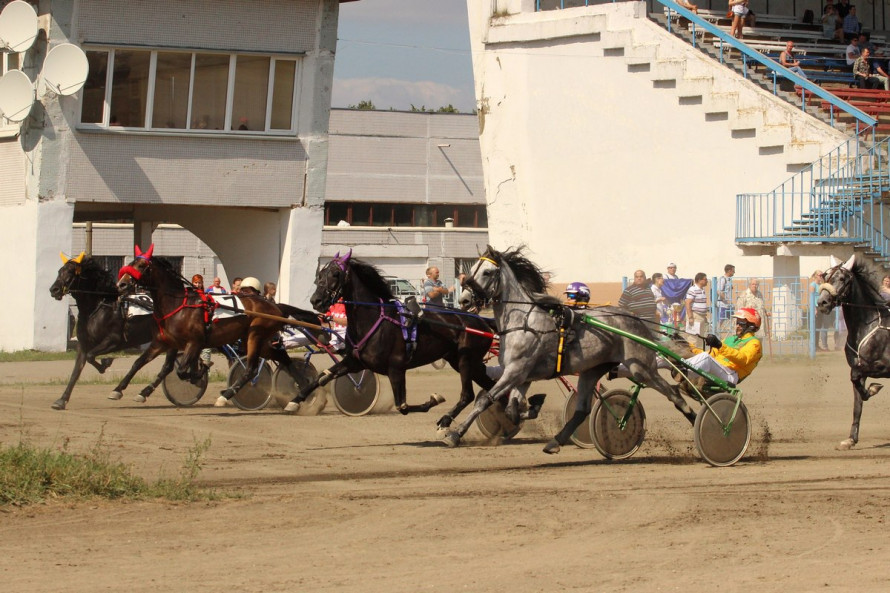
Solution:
(35, 356)
(30, 475)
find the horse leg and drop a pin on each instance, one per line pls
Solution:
(859, 396)
(169, 363)
(513, 376)
(648, 375)
(397, 381)
(146, 357)
(471, 371)
(586, 384)
(347, 365)
(62, 402)
(188, 365)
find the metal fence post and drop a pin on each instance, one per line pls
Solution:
(811, 316)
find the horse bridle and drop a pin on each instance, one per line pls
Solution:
(337, 293)
(476, 290)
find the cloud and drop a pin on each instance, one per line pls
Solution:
(401, 94)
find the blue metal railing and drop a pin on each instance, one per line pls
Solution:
(862, 119)
(837, 199)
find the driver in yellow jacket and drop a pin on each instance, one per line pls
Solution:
(734, 358)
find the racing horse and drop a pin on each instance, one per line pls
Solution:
(381, 337)
(532, 324)
(183, 317)
(102, 323)
(852, 286)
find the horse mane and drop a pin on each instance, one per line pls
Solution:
(527, 273)
(371, 277)
(103, 278)
(866, 286)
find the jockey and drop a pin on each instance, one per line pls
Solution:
(251, 286)
(577, 295)
(736, 357)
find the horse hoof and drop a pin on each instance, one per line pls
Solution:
(139, 398)
(221, 402)
(59, 404)
(552, 448)
(452, 438)
(292, 408)
(444, 422)
(106, 362)
(116, 395)
(436, 399)
(846, 445)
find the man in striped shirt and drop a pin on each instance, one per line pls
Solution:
(638, 298)
(697, 304)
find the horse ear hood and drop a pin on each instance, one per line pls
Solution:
(64, 257)
(848, 265)
(147, 255)
(79, 258)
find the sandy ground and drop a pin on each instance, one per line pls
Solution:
(376, 504)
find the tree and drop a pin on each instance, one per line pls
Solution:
(364, 106)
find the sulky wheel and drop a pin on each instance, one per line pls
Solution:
(285, 388)
(581, 436)
(493, 422)
(357, 394)
(714, 445)
(183, 393)
(612, 441)
(257, 393)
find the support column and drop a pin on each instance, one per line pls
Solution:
(142, 231)
(785, 306)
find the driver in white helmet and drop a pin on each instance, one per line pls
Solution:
(251, 286)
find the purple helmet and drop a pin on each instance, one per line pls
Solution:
(577, 293)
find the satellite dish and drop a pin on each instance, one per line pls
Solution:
(65, 69)
(16, 95)
(18, 26)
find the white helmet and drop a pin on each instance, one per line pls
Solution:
(251, 282)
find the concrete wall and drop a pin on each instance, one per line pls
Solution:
(596, 170)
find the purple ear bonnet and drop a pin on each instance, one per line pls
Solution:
(342, 261)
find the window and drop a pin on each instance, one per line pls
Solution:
(405, 215)
(185, 90)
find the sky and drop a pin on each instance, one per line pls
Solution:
(399, 53)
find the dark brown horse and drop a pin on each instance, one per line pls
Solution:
(102, 322)
(377, 337)
(184, 318)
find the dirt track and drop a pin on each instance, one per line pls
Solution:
(375, 504)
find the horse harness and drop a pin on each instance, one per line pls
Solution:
(405, 322)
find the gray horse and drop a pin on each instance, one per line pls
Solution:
(852, 286)
(529, 323)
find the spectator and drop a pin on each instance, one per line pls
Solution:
(688, 6)
(852, 26)
(752, 298)
(638, 298)
(434, 290)
(823, 321)
(236, 284)
(786, 58)
(697, 306)
(671, 272)
(864, 78)
(216, 287)
(832, 25)
(269, 290)
(740, 11)
(885, 288)
(865, 43)
(661, 306)
(842, 8)
(852, 51)
(829, 5)
(204, 357)
(724, 296)
(198, 281)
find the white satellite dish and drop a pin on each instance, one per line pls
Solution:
(16, 95)
(18, 26)
(65, 69)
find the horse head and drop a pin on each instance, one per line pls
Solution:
(330, 280)
(483, 281)
(136, 272)
(837, 286)
(69, 275)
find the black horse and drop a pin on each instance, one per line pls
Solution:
(854, 287)
(380, 338)
(102, 322)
